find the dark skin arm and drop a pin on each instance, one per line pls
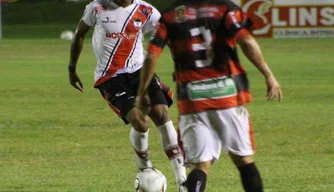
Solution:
(252, 51)
(76, 47)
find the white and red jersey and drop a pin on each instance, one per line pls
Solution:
(118, 36)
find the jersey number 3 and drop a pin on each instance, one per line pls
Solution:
(205, 45)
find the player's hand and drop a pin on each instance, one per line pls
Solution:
(273, 88)
(75, 81)
(143, 103)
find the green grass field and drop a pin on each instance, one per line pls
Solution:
(56, 139)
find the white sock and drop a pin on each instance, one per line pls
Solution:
(170, 145)
(139, 142)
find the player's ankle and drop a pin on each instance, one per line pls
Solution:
(143, 163)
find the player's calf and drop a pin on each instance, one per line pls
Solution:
(139, 142)
(170, 145)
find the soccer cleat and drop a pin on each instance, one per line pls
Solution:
(183, 187)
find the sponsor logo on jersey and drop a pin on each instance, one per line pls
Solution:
(180, 14)
(121, 35)
(211, 88)
(107, 20)
(144, 12)
(137, 23)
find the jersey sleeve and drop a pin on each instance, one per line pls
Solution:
(152, 21)
(237, 23)
(89, 15)
(159, 39)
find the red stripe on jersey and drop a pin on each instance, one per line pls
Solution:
(205, 11)
(161, 32)
(241, 33)
(188, 106)
(235, 18)
(124, 49)
(199, 74)
(185, 45)
(126, 45)
(154, 49)
(208, 72)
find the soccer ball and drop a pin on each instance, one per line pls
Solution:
(150, 180)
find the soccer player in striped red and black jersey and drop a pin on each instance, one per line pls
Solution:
(212, 85)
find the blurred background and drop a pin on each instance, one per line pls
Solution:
(272, 18)
(54, 138)
(43, 18)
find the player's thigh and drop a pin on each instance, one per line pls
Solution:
(235, 130)
(200, 142)
(159, 114)
(120, 95)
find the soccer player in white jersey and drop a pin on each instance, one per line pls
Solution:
(119, 28)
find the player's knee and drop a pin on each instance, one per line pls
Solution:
(140, 126)
(241, 160)
(204, 166)
(138, 121)
(159, 114)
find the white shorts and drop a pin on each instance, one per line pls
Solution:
(204, 134)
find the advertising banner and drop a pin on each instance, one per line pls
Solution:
(291, 18)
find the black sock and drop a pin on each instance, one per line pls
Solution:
(196, 181)
(250, 177)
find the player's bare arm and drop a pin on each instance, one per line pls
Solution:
(253, 52)
(76, 47)
(146, 75)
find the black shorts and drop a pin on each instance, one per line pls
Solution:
(121, 91)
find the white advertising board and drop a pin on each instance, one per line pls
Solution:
(291, 18)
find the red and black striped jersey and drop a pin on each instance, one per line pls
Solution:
(202, 36)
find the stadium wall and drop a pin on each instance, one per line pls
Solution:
(272, 18)
(50, 11)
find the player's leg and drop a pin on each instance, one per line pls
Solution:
(168, 135)
(239, 143)
(160, 117)
(120, 96)
(139, 137)
(202, 147)
(196, 180)
(249, 173)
